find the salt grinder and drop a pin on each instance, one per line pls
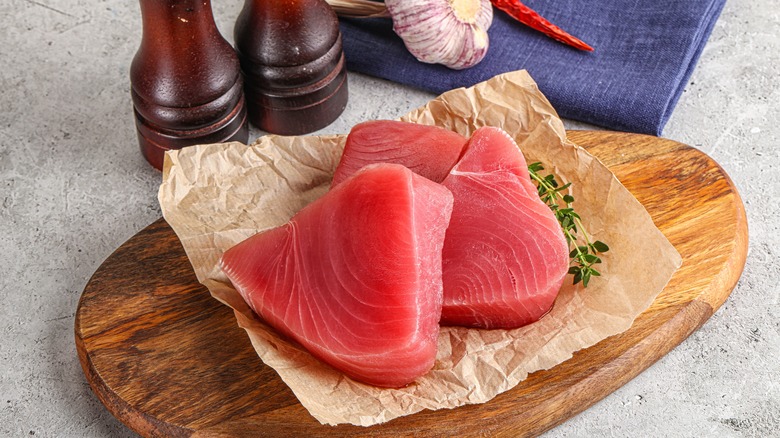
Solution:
(293, 63)
(186, 80)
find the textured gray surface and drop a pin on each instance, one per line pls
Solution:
(74, 187)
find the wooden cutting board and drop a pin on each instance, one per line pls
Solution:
(167, 359)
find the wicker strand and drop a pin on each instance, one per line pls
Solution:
(359, 8)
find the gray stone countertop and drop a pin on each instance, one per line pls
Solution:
(74, 187)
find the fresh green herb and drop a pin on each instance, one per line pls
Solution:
(584, 252)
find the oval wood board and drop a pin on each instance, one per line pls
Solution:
(168, 359)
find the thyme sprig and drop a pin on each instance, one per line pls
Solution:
(584, 251)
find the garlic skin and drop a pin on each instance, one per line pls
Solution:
(448, 32)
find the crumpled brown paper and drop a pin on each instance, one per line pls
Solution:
(214, 196)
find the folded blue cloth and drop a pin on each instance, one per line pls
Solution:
(645, 52)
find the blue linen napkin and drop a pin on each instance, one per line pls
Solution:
(645, 52)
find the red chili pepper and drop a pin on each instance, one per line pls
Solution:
(522, 13)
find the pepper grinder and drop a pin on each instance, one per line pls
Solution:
(293, 64)
(186, 80)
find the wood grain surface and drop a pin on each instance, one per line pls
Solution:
(168, 360)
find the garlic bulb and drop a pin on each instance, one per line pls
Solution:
(449, 32)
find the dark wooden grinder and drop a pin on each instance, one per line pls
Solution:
(187, 87)
(293, 64)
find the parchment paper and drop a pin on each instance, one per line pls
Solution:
(214, 196)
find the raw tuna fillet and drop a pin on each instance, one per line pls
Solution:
(504, 256)
(429, 151)
(355, 277)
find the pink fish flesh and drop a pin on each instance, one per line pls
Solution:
(429, 151)
(504, 256)
(355, 277)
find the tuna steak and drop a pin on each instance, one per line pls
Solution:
(355, 277)
(504, 256)
(429, 151)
